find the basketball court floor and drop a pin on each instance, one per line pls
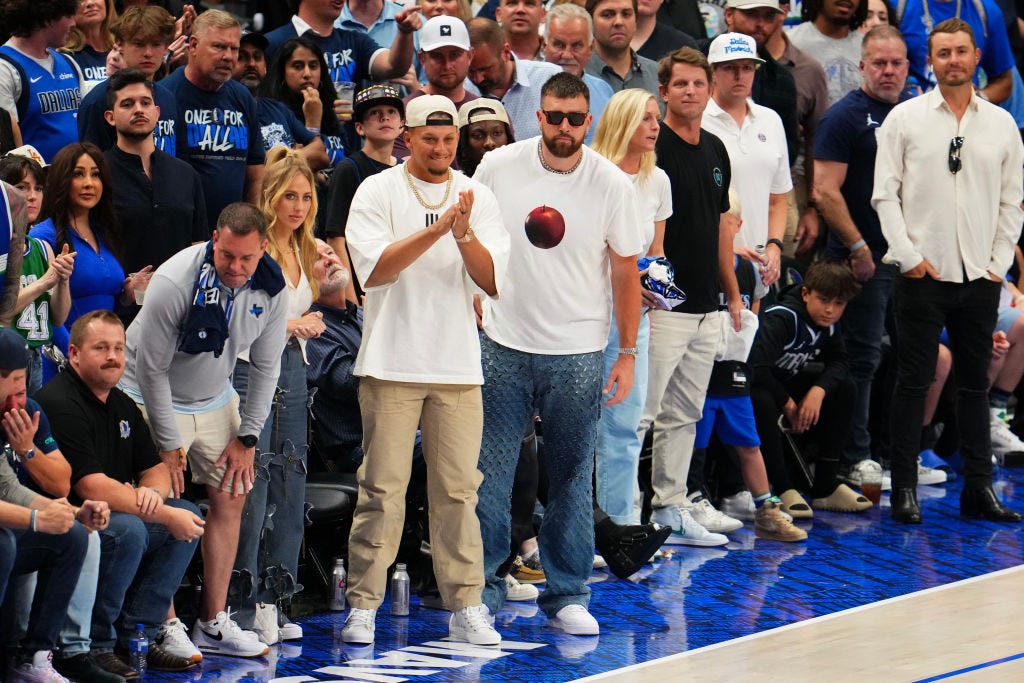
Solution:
(863, 599)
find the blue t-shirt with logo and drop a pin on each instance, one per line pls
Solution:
(279, 125)
(93, 64)
(218, 133)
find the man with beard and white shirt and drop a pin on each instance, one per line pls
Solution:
(543, 345)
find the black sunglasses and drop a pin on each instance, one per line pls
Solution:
(576, 118)
(955, 145)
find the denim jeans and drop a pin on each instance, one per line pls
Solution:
(141, 565)
(968, 312)
(280, 479)
(618, 441)
(863, 326)
(58, 560)
(567, 391)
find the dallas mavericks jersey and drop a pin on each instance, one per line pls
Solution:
(48, 106)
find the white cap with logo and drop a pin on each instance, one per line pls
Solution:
(442, 31)
(729, 47)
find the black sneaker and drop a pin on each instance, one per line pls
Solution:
(82, 668)
(160, 659)
(626, 548)
(111, 663)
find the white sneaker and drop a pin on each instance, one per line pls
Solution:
(264, 624)
(926, 476)
(223, 636)
(998, 416)
(739, 506)
(289, 630)
(473, 625)
(359, 626)
(705, 514)
(685, 531)
(854, 477)
(39, 670)
(172, 636)
(1004, 441)
(575, 620)
(519, 592)
(600, 562)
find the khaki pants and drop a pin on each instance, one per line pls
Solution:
(451, 419)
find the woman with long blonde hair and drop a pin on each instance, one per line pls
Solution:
(90, 38)
(288, 201)
(626, 135)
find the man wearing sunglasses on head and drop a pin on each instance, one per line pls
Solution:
(575, 238)
(948, 192)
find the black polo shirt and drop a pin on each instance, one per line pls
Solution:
(108, 438)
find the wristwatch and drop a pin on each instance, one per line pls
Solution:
(629, 351)
(249, 440)
(27, 455)
(468, 237)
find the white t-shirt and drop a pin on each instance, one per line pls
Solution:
(840, 57)
(760, 163)
(654, 202)
(420, 327)
(559, 300)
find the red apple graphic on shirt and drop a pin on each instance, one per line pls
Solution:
(545, 227)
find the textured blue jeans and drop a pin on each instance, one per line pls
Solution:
(567, 391)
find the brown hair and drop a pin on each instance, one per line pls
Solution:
(76, 38)
(832, 280)
(144, 24)
(953, 25)
(684, 55)
(77, 334)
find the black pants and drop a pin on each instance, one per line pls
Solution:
(968, 312)
(830, 434)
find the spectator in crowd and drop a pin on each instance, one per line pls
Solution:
(38, 534)
(521, 21)
(452, 8)
(299, 78)
(40, 87)
(379, 114)
(627, 137)
(569, 42)
(986, 21)
(613, 60)
(879, 12)
(431, 382)
(685, 340)
(215, 299)
(141, 37)
(278, 124)
(483, 126)
(653, 38)
(158, 199)
(951, 216)
(829, 32)
(375, 18)
(1005, 373)
(13, 221)
(289, 205)
(543, 348)
(149, 541)
(90, 39)
(216, 125)
(802, 327)
(756, 142)
(500, 74)
(23, 169)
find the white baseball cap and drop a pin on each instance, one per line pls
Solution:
(441, 31)
(729, 47)
(754, 4)
(482, 109)
(421, 108)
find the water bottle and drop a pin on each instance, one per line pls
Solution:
(340, 583)
(138, 650)
(400, 591)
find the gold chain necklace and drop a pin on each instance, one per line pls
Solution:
(419, 197)
(544, 163)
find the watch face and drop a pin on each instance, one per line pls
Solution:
(248, 441)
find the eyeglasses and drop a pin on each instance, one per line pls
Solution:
(955, 145)
(576, 118)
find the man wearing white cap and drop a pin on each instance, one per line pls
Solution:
(756, 142)
(423, 240)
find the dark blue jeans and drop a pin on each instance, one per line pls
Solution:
(863, 326)
(58, 559)
(968, 312)
(141, 565)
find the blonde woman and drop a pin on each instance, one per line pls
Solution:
(288, 201)
(90, 39)
(626, 134)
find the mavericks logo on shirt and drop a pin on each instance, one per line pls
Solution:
(717, 173)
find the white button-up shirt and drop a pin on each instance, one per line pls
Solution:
(967, 222)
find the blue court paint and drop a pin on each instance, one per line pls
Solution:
(983, 665)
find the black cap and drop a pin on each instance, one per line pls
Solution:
(14, 353)
(258, 39)
(374, 96)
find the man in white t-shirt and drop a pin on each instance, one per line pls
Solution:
(829, 34)
(572, 218)
(756, 142)
(423, 240)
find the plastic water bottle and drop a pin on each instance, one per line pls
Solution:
(340, 579)
(400, 591)
(138, 650)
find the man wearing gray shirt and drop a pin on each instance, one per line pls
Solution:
(614, 61)
(203, 307)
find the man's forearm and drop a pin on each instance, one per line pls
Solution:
(626, 298)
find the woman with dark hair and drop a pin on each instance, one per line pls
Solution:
(299, 77)
(879, 12)
(483, 126)
(78, 211)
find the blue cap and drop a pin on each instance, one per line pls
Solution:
(14, 353)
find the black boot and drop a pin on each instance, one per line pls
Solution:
(626, 548)
(905, 508)
(982, 503)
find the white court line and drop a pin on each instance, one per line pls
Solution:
(799, 624)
